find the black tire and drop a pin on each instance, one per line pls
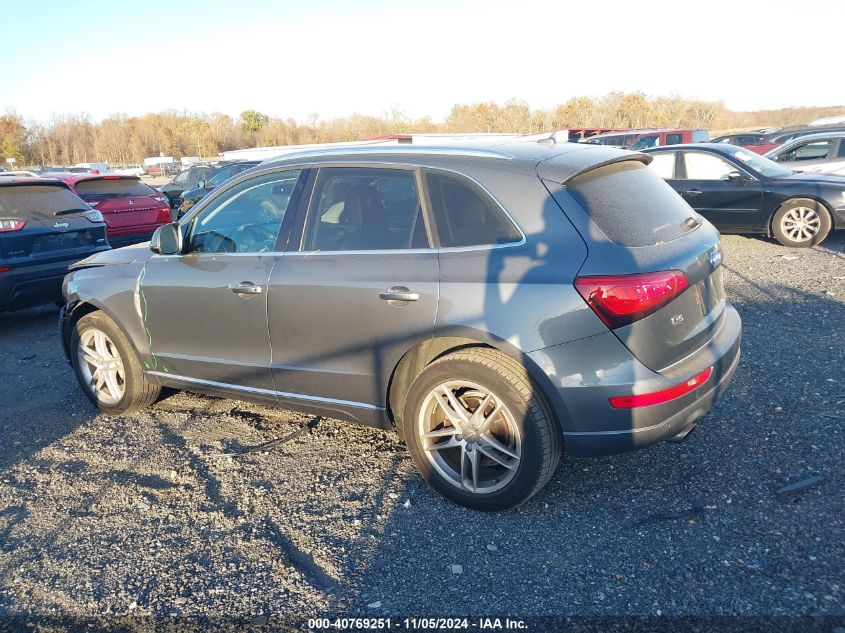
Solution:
(780, 222)
(541, 439)
(138, 391)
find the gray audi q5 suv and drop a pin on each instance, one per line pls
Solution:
(499, 306)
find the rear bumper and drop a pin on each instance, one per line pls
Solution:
(117, 241)
(29, 286)
(592, 427)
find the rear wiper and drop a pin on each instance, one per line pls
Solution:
(70, 211)
(690, 223)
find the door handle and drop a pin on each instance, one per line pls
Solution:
(398, 295)
(692, 192)
(245, 288)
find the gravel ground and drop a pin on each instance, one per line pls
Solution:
(113, 519)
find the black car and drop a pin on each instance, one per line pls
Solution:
(742, 192)
(740, 138)
(44, 227)
(186, 179)
(220, 175)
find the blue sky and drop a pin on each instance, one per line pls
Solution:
(291, 59)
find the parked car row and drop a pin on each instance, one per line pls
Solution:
(642, 139)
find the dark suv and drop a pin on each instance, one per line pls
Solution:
(498, 305)
(44, 228)
(216, 178)
(186, 179)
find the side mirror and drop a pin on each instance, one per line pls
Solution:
(735, 176)
(201, 184)
(167, 240)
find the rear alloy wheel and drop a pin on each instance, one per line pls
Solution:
(801, 223)
(469, 436)
(107, 368)
(479, 430)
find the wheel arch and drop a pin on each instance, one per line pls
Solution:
(424, 353)
(79, 308)
(809, 197)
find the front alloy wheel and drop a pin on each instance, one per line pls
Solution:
(107, 366)
(801, 223)
(101, 366)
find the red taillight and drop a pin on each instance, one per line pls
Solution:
(622, 299)
(5, 269)
(657, 397)
(6, 226)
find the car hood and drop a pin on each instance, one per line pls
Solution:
(126, 255)
(829, 179)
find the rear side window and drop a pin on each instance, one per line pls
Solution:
(841, 153)
(700, 166)
(663, 164)
(466, 216)
(674, 139)
(37, 202)
(365, 209)
(631, 204)
(700, 136)
(114, 188)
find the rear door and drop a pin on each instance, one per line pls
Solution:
(44, 223)
(703, 180)
(206, 310)
(357, 290)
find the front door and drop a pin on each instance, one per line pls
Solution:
(704, 181)
(205, 311)
(357, 291)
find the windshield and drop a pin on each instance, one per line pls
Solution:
(113, 188)
(760, 164)
(37, 202)
(645, 142)
(219, 177)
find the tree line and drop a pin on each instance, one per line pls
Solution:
(119, 139)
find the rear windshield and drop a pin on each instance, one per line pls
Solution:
(632, 205)
(37, 202)
(113, 187)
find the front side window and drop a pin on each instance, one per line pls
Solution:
(664, 164)
(700, 166)
(247, 218)
(808, 151)
(362, 209)
(841, 153)
(674, 139)
(466, 216)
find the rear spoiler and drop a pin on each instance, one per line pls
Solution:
(566, 166)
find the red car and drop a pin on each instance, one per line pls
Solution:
(131, 209)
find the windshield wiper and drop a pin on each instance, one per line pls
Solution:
(70, 211)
